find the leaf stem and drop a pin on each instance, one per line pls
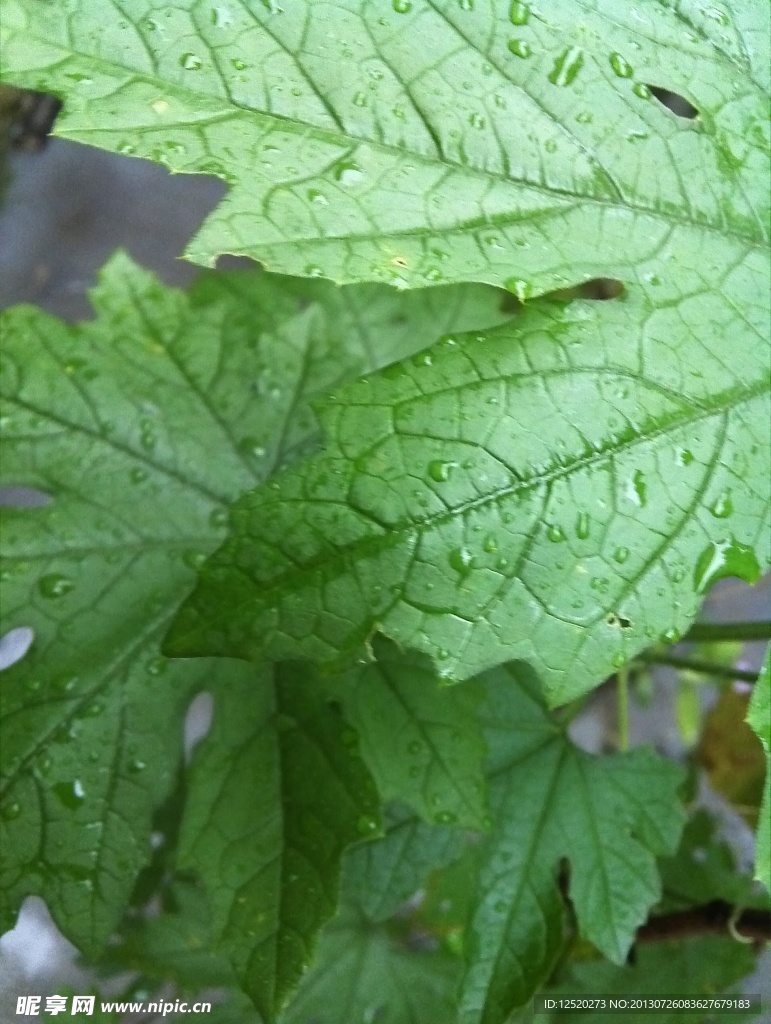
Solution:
(622, 690)
(719, 631)
(715, 918)
(705, 668)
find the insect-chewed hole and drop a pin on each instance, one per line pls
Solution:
(674, 102)
(598, 289)
(618, 620)
(24, 497)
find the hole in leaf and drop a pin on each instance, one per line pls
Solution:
(197, 722)
(24, 497)
(14, 645)
(618, 620)
(32, 115)
(598, 289)
(675, 103)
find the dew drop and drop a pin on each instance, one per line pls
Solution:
(618, 660)
(366, 826)
(723, 507)
(445, 818)
(138, 475)
(71, 794)
(723, 559)
(348, 173)
(461, 560)
(685, 456)
(490, 544)
(555, 534)
(671, 636)
(11, 811)
(522, 289)
(360, 99)
(218, 518)
(477, 121)
(620, 66)
(157, 666)
(125, 148)
(642, 90)
(519, 13)
(190, 62)
(519, 48)
(316, 197)
(313, 271)
(55, 585)
(440, 471)
(620, 555)
(637, 489)
(147, 438)
(582, 525)
(402, 6)
(567, 66)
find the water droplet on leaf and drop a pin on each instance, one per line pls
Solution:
(440, 471)
(620, 66)
(567, 66)
(519, 48)
(55, 585)
(190, 61)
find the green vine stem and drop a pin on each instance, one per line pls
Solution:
(704, 668)
(711, 632)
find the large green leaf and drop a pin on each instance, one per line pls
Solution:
(277, 791)
(697, 967)
(705, 869)
(366, 974)
(380, 875)
(607, 817)
(560, 490)
(142, 425)
(423, 743)
(759, 717)
(416, 141)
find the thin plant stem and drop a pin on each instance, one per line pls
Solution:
(719, 631)
(704, 668)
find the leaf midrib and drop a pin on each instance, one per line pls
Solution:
(392, 535)
(354, 141)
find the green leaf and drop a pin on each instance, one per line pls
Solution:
(380, 875)
(423, 744)
(759, 717)
(559, 490)
(608, 817)
(699, 967)
(414, 142)
(277, 791)
(704, 869)
(365, 974)
(142, 426)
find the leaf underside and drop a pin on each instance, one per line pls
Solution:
(607, 818)
(142, 426)
(561, 490)
(423, 141)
